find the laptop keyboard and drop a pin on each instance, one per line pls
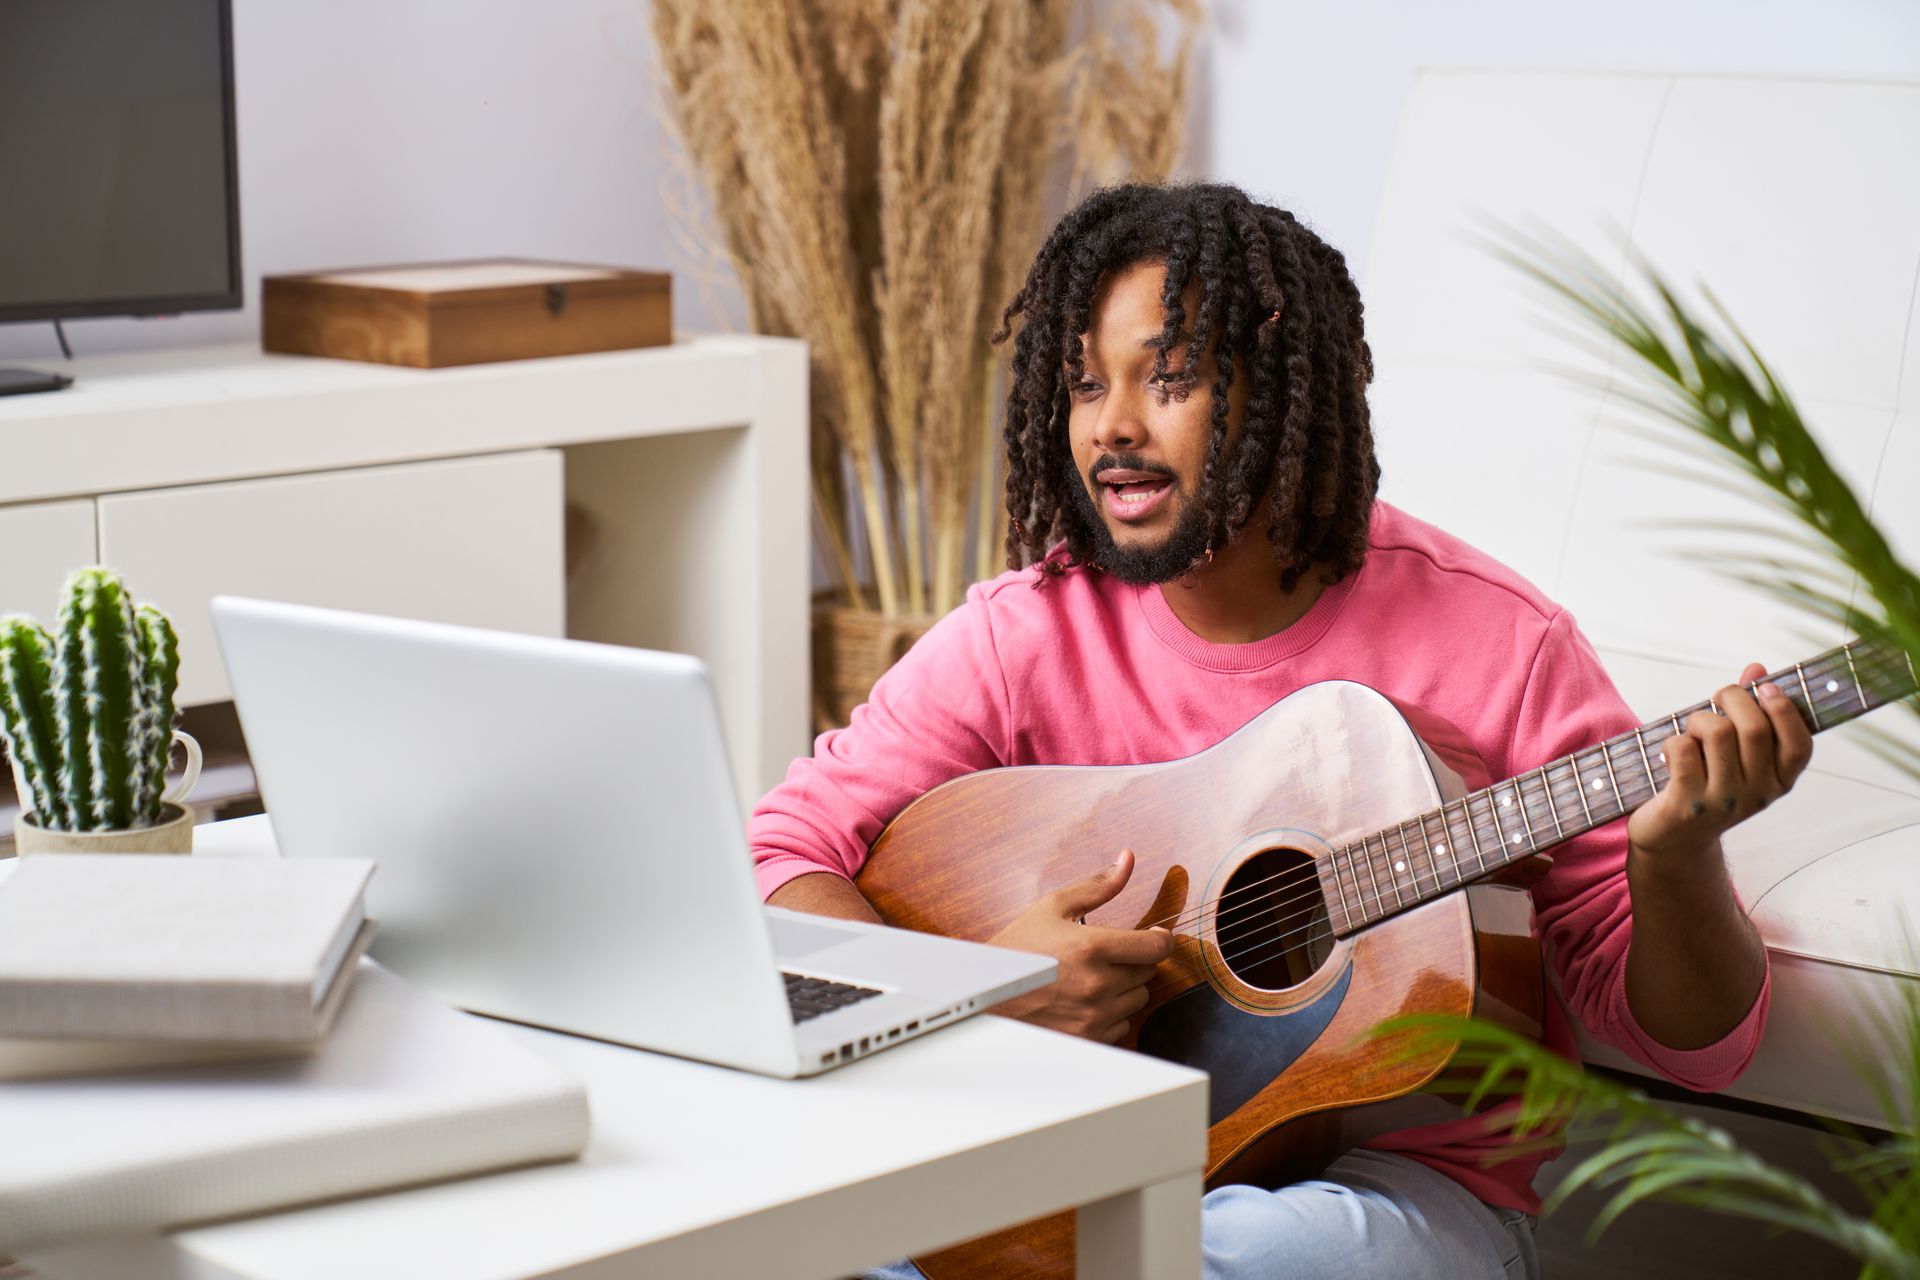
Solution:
(811, 997)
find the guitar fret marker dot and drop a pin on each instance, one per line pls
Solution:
(1506, 802)
(1440, 848)
(1832, 685)
(1516, 837)
(1599, 784)
(1399, 866)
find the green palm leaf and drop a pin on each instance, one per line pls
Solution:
(1723, 393)
(1649, 1153)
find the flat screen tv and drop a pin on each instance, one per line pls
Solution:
(119, 190)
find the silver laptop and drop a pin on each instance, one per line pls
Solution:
(559, 842)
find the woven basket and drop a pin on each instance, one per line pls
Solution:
(852, 648)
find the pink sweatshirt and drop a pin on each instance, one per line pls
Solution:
(1089, 670)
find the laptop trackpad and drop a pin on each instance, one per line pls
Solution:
(793, 938)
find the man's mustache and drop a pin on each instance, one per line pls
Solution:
(1127, 462)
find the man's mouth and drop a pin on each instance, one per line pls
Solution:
(1132, 496)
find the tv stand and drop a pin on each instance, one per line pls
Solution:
(23, 382)
(657, 498)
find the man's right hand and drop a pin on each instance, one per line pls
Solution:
(1103, 972)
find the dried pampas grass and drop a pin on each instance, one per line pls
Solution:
(878, 171)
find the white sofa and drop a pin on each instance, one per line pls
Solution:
(1795, 201)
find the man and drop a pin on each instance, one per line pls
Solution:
(1192, 479)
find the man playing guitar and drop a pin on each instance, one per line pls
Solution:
(1193, 521)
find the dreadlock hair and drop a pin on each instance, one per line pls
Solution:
(1273, 297)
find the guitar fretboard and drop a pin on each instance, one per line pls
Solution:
(1463, 840)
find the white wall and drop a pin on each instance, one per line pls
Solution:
(1301, 98)
(388, 130)
(392, 130)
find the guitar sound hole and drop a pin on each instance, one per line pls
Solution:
(1271, 921)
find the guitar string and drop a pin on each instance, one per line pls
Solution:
(1298, 876)
(1315, 932)
(1312, 903)
(1294, 878)
(1607, 749)
(1319, 926)
(1304, 876)
(1265, 939)
(1301, 875)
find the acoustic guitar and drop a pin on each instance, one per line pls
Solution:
(1337, 861)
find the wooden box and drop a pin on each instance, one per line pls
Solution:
(432, 315)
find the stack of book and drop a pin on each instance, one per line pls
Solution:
(191, 1038)
(132, 960)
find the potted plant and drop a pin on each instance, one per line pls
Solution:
(1698, 381)
(880, 175)
(87, 718)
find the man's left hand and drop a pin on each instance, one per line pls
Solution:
(1721, 771)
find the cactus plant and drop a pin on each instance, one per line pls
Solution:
(160, 676)
(26, 701)
(87, 714)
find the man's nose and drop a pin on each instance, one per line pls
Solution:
(1119, 427)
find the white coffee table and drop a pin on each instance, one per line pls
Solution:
(700, 1171)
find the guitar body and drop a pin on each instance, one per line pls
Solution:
(1259, 993)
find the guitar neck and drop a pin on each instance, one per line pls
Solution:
(1418, 860)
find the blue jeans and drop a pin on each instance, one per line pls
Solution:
(1372, 1214)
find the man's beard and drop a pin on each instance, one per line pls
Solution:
(1145, 565)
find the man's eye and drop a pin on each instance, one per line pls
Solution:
(1174, 381)
(1085, 387)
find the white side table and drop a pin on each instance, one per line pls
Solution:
(700, 1171)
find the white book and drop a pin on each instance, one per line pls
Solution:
(39, 1059)
(159, 947)
(405, 1090)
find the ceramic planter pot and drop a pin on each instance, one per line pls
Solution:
(172, 834)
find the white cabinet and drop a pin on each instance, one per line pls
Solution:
(440, 494)
(475, 541)
(40, 545)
